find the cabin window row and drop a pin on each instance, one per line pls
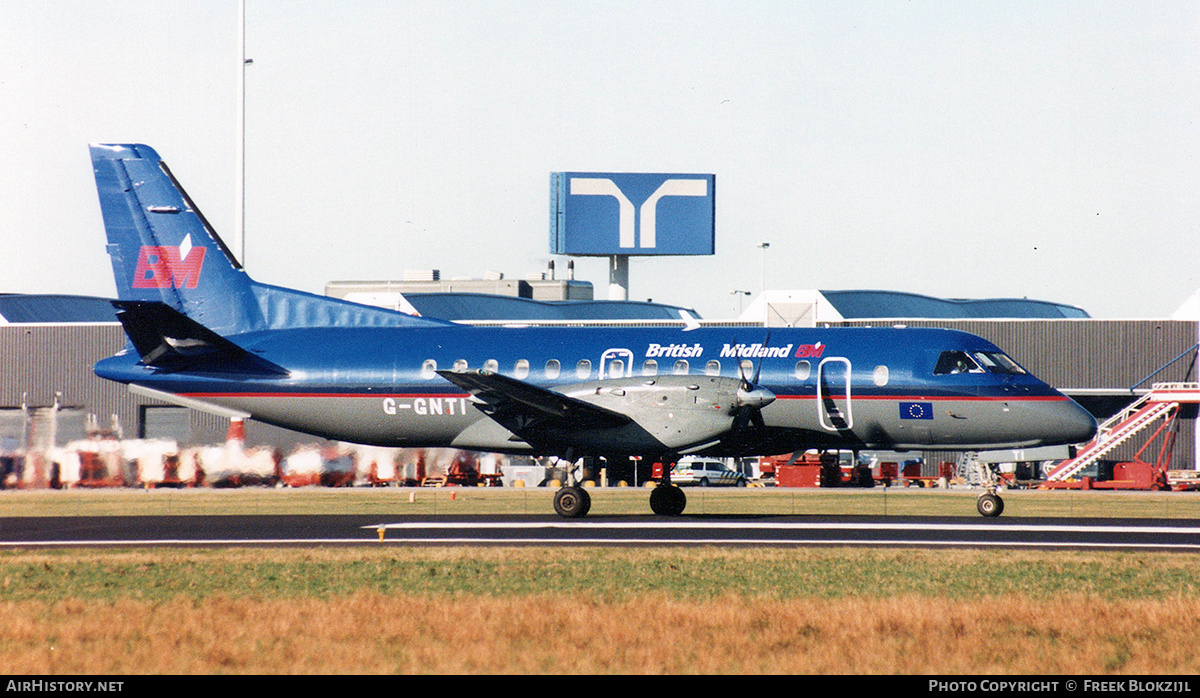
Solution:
(616, 368)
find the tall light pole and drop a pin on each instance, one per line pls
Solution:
(764, 246)
(741, 298)
(239, 205)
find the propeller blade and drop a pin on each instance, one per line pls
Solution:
(740, 418)
(751, 397)
(758, 368)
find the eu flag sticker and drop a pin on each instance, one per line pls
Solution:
(916, 410)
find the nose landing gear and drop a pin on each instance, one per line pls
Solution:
(989, 503)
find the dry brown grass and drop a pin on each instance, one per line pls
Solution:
(369, 633)
(597, 610)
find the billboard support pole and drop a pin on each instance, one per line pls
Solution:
(618, 277)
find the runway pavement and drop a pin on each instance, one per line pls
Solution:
(135, 531)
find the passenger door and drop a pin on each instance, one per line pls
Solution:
(833, 394)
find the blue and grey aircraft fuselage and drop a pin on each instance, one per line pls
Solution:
(836, 388)
(205, 335)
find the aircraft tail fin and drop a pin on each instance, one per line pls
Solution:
(164, 251)
(161, 247)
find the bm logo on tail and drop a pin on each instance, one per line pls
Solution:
(169, 267)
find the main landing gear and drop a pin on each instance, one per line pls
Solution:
(572, 502)
(667, 500)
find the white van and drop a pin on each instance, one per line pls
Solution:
(705, 472)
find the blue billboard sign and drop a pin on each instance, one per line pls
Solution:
(606, 214)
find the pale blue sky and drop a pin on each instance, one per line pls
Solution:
(958, 149)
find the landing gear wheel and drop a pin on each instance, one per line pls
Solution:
(667, 500)
(990, 505)
(572, 502)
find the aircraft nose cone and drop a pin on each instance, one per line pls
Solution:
(1077, 425)
(755, 397)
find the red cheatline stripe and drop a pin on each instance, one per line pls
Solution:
(202, 396)
(897, 398)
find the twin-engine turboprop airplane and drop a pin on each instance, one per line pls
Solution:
(205, 335)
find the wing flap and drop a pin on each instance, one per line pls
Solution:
(528, 410)
(635, 416)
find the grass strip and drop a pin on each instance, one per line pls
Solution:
(609, 574)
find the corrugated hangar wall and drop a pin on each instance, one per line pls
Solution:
(45, 362)
(40, 363)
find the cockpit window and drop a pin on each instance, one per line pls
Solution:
(997, 362)
(951, 362)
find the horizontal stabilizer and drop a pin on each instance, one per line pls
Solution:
(169, 340)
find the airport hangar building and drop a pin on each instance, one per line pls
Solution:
(49, 394)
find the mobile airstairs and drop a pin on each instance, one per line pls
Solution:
(1158, 406)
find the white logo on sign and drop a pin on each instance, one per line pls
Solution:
(603, 186)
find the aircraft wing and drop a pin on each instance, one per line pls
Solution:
(527, 410)
(638, 415)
